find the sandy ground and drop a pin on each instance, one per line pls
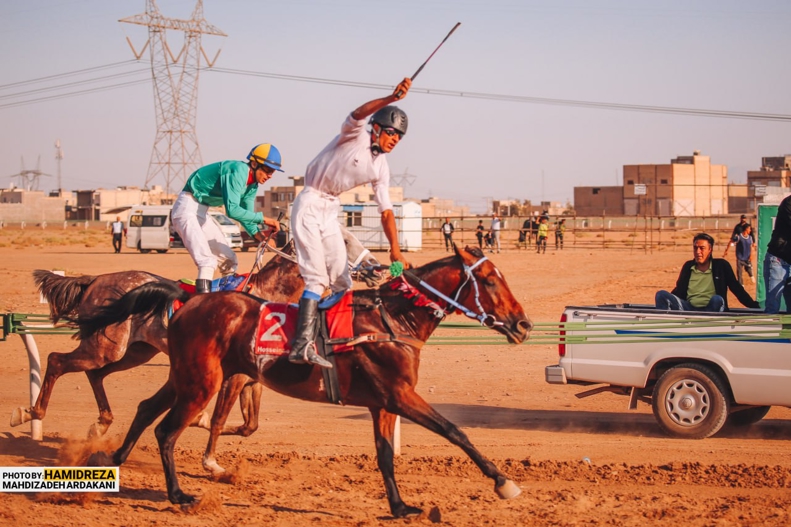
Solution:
(317, 463)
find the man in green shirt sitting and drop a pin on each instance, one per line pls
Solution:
(703, 282)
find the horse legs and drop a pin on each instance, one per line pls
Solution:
(250, 405)
(147, 412)
(174, 423)
(135, 355)
(384, 424)
(410, 405)
(82, 358)
(230, 389)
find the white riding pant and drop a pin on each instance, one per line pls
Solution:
(202, 237)
(321, 252)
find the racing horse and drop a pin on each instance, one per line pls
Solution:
(380, 370)
(135, 341)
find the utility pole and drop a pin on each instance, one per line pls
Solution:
(176, 153)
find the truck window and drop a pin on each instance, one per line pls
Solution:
(136, 220)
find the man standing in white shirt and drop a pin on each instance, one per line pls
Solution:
(495, 233)
(354, 157)
(118, 233)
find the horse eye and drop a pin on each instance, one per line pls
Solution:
(490, 281)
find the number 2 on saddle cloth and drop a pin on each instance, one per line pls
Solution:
(277, 323)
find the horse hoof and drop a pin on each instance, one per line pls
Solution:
(205, 421)
(20, 416)
(212, 466)
(100, 459)
(96, 430)
(183, 499)
(508, 490)
(405, 511)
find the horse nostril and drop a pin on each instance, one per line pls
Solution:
(525, 325)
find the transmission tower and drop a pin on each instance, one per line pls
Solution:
(176, 153)
(29, 178)
(403, 180)
(59, 158)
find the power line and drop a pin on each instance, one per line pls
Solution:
(67, 74)
(72, 94)
(694, 112)
(75, 83)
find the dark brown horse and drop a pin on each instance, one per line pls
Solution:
(135, 341)
(212, 338)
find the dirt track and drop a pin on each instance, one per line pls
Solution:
(316, 463)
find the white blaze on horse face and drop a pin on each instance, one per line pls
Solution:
(496, 270)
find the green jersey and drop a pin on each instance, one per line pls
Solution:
(225, 183)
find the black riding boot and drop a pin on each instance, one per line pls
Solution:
(202, 286)
(303, 349)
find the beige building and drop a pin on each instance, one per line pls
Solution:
(774, 172)
(598, 201)
(688, 186)
(32, 206)
(279, 199)
(106, 204)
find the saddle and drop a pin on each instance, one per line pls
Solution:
(277, 325)
(231, 282)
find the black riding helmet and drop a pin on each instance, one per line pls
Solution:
(388, 117)
(391, 117)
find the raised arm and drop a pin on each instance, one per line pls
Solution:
(371, 107)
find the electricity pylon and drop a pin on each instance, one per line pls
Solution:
(176, 153)
(29, 178)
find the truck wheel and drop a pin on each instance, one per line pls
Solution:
(689, 402)
(162, 251)
(245, 248)
(144, 251)
(748, 417)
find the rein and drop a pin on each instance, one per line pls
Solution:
(486, 319)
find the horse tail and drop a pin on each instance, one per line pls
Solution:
(148, 300)
(63, 293)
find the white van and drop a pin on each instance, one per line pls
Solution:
(149, 228)
(230, 228)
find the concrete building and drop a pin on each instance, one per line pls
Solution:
(107, 204)
(279, 199)
(775, 173)
(32, 206)
(688, 186)
(598, 201)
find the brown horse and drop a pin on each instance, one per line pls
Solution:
(212, 338)
(135, 341)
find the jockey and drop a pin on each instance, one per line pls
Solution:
(230, 183)
(354, 157)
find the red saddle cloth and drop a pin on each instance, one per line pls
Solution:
(277, 323)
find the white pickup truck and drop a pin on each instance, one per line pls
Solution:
(697, 370)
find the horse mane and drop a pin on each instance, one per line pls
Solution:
(64, 294)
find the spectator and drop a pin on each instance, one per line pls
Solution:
(777, 262)
(703, 282)
(496, 232)
(447, 232)
(524, 233)
(737, 230)
(543, 232)
(745, 254)
(479, 232)
(560, 230)
(118, 233)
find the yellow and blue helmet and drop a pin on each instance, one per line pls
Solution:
(266, 154)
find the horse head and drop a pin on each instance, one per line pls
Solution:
(469, 282)
(484, 292)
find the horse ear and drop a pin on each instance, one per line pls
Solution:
(466, 254)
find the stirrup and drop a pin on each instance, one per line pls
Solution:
(308, 355)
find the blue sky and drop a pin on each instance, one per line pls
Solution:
(718, 55)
